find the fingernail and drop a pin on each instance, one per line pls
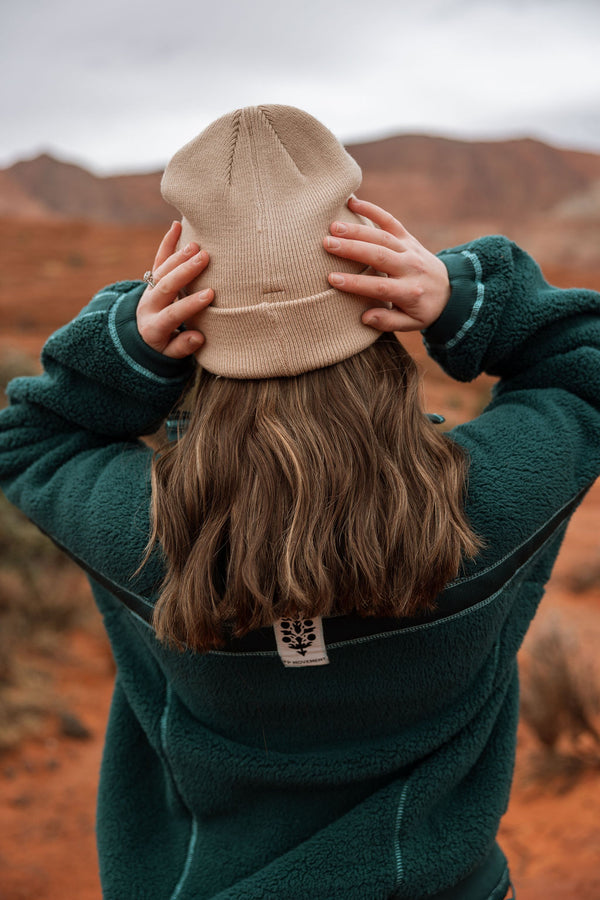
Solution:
(189, 248)
(333, 244)
(199, 257)
(340, 227)
(336, 279)
(370, 320)
(204, 294)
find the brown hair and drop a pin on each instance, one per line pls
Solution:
(325, 493)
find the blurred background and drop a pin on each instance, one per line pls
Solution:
(467, 118)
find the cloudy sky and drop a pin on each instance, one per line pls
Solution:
(119, 85)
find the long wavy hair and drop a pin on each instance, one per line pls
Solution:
(326, 493)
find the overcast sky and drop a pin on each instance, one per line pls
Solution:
(120, 86)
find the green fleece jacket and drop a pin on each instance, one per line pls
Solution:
(384, 773)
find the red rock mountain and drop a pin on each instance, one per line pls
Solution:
(449, 180)
(444, 190)
(44, 187)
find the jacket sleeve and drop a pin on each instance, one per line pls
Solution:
(69, 453)
(535, 449)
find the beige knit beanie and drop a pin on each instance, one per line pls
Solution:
(258, 189)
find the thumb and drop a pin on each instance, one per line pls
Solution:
(390, 320)
(184, 344)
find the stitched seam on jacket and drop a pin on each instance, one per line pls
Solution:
(147, 373)
(165, 757)
(499, 562)
(478, 300)
(398, 850)
(102, 580)
(494, 895)
(188, 861)
(136, 615)
(103, 295)
(92, 312)
(458, 615)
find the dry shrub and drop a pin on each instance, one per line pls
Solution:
(560, 698)
(585, 578)
(42, 594)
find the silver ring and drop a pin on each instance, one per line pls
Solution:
(149, 278)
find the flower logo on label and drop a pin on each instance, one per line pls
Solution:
(298, 634)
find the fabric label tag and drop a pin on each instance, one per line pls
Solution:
(300, 642)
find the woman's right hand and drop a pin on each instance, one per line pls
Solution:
(417, 282)
(160, 314)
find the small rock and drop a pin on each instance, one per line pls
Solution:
(72, 726)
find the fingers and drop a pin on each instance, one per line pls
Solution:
(354, 231)
(158, 316)
(167, 245)
(160, 329)
(176, 279)
(390, 320)
(376, 255)
(378, 215)
(184, 344)
(175, 315)
(175, 259)
(371, 286)
(380, 248)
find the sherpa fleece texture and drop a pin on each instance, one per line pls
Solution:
(385, 773)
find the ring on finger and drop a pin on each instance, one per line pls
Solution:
(149, 278)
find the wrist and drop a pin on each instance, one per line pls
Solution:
(461, 296)
(129, 340)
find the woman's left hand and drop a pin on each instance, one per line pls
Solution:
(159, 313)
(417, 285)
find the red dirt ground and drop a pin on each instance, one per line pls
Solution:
(551, 832)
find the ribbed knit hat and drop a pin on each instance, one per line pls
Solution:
(258, 189)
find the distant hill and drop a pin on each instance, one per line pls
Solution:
(445, 191)
(44, 187)
(437, 179)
